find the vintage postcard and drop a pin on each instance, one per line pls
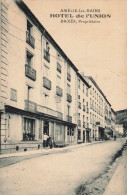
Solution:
(63, 97)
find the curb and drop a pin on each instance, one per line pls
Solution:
(46, 151)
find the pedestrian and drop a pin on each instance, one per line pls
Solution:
(50, 142)
(45, 140)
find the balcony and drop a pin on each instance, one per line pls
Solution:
(79, 123)
(30, 72)
(69, 118)
(48, 111)
(47, 83)
(69, 97)
(79, 105)
(84, 108)
(46, 55)
(68, 76)
(30, 106)
(83, 124)
(30, 40)
(59, 91)
(58, 67)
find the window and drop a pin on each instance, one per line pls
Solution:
(87, 91)
(68, 68)
(47, 46)
(29, 58)
(29, 92)
(29, 27)
(95, 107)
(68, 110)
(68, 88)
(13, 95)
(29, 129)
(79, 83)
(93, 92)
(90, 118)
(29, 38)
(83, 88)
(93, 118)
(59, 67)
(78, 116)
(46, 51)
(68, 73)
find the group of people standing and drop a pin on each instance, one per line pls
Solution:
(47, 141)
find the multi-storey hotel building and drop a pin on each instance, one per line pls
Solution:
(41, 90)
(96, 110)
(83, 110)
(37, 83)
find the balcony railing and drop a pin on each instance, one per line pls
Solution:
(30, 72)
(69, 118)
(69, 97)
(47, 83)
(59, 91)
(30, 106)
(79, 123)
(30, 39)
(33, 107)
(68, 76)
(45, 110)
(84, 108)
(46, 55)
(83, 124)
(58, 67)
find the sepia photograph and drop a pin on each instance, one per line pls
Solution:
(63, 97)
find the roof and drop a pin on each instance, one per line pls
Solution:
(82, 78)
(91, 78)
(36, 22)
(113, 111)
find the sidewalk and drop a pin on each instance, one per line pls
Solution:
(118, 182)
(46, 151)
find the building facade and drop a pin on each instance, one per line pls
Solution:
(83, 110)
(41, 90)
(37, 84)
(96, 100)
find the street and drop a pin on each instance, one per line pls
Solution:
(59, 173)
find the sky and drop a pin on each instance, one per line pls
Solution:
(97, 49)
